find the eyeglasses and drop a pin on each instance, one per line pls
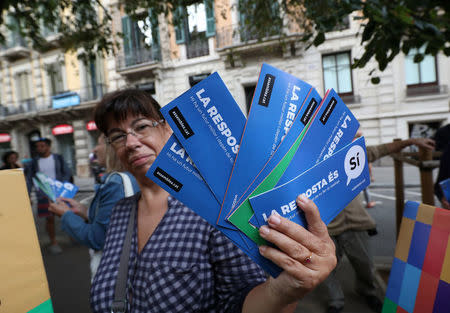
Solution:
(141, 129)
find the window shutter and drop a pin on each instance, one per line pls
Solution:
(156, 49)
(210, 19)
(179, 25)
(126, 30)
(275, 12)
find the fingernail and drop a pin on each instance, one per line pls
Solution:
(302, 198)
(264, 230)
(262, 249)
(274, 219)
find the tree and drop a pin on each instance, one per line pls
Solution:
(387, 26)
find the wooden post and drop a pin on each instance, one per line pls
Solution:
(399, 190)
(426, 177)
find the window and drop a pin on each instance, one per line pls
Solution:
(141, 40)
(55, 78)
(95, 87)
(13, 37)
(26, 102)
(420, 73)
(337, 73)
(194, 24)
(247, 30)
(23, 86)
(148, 87)
(195, 79)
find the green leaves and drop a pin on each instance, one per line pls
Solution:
(387, 26)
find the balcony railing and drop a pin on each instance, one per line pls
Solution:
(15, 47)
(197, 48)
(93, 92)
(87, 94)
(234, 35)
(138, 57)
(425, 89)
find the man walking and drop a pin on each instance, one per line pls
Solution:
(52, 165)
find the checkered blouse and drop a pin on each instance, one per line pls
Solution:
(186, 266)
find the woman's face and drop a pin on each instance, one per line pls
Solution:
(138, 154)
(100, 151)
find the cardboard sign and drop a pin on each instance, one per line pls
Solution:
(24, 286)
(420, 274)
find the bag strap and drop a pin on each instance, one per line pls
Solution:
(127, 186)
(120, 303)
(128, 190)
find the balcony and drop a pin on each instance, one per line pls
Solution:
(138, 61)
(197, 47)
(425, 89)
(234, 36)
(92, 93)
(15, 47)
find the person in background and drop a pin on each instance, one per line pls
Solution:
(442, 137)
(89, 225)
(54, 166)
(443, 174)
(10, 160)
(350, 230)
(177, 261)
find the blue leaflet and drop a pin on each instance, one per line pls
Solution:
(174, 171)
(277, 100)
(209, 125)
(334, 128)
(69, 190)
(331, 184)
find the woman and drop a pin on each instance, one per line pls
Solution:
(89, 226)
(10, 160)
(180, 263)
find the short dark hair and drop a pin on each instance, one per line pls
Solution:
(7, 154)
(43, 139)
(118, 105)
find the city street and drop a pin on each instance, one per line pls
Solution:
(69, 276)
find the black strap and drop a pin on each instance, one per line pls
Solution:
(120, 303)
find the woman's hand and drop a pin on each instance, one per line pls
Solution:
(307, 256)
(61, 207)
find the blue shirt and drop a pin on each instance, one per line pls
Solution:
(185, 266)
(107, 194)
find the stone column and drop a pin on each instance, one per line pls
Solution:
(81, 148)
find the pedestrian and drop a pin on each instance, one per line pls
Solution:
(10, 159)
(54, 166)
(177, 261)
(88, 226)
(442, 137)
(350, 230)
(443, 174)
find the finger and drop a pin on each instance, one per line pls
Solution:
(283, 232)
(296, 250)
(290, 265)
(315, 223)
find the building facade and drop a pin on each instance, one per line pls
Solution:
(52, 94)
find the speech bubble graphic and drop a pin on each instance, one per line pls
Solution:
(355, 159)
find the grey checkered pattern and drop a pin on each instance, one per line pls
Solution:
(186, 266)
